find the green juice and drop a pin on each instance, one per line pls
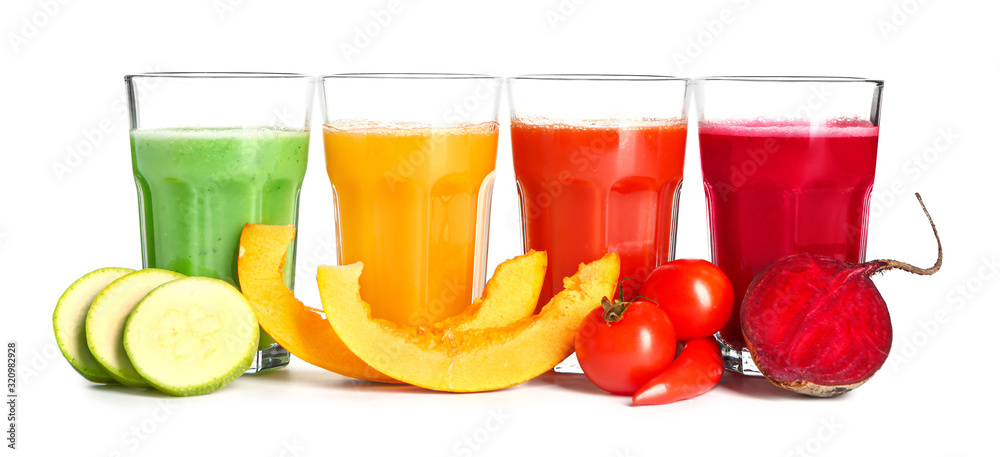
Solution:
(198, 187)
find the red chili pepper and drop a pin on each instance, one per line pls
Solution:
(697, 369)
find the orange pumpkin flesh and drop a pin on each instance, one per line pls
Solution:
(301, 330)
(510, 295)
(470, 360)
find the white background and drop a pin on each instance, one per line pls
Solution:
(61, 79)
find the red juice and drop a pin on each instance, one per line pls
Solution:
(588, 188)
(777, 188)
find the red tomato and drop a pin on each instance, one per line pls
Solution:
(695, 293)
(619, 351)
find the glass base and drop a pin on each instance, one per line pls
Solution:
(738, 360)
(570, 365)
(269, 358)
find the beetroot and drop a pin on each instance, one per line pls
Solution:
(817, 325)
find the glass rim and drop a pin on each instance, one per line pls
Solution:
(410, 76)
(803, 79)
(219, 74)
(595, 77)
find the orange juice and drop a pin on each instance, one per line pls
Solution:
(413, 205)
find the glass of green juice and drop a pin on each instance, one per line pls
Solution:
(210, 153)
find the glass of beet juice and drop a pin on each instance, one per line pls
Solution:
(598, 161)
(788, 165)
(210, 153)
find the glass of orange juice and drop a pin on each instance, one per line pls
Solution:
(411, 161)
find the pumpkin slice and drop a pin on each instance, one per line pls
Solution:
(301, 330)
(471, 360)
(511, 294)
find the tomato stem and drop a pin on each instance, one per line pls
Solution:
(647, 299)
(615, 310)
(621, 288)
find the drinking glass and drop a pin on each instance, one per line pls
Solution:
(598, 161)
(788, 165)
(411, 162)
(210, 153)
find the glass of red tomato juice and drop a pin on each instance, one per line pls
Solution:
(598, 161)
(788, 165)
